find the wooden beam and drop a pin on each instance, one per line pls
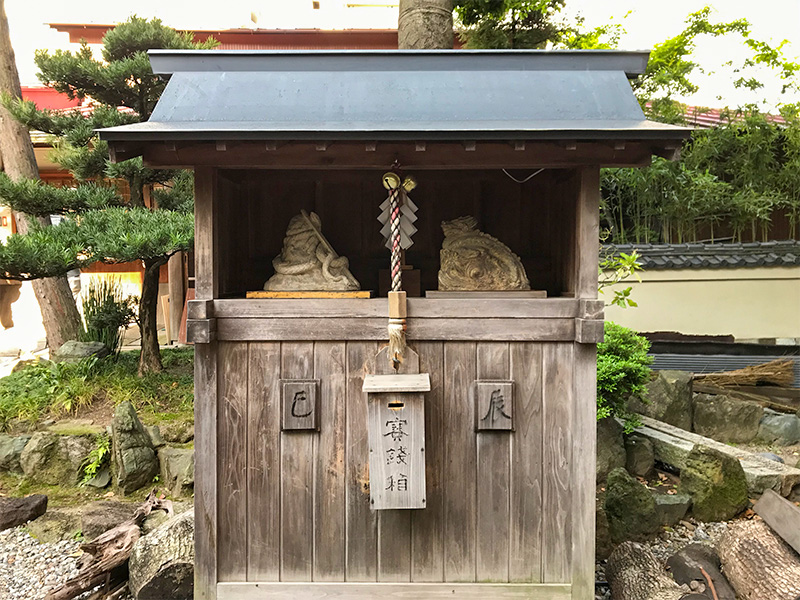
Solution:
(782, 516)
(351, 155)
(202, 331)
(404, 591)
(587, 233)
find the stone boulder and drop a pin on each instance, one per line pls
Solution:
(74, 351)
(640, 457)
(716, 484)
(98, 517)
(672, 508)
(610, 447)
(669, 399)
(779, 428)
(162, 562)
(18, 511)
(630, 508)
(55, 459)
(726, 419)
(10, 450)
(155, 436)
(56, 525)
(177, 432)
(603, 547)
(132, 454)
(177, 470)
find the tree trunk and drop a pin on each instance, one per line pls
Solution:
(759, 565)
(162, 562)
(634, 574)
(425, 25)
(150, 359)
(700, 564)
(59, 312)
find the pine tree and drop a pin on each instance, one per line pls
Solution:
(106, 216)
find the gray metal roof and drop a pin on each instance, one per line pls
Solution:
(380, 95)
(714, 256)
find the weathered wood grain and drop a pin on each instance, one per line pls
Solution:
(459, 462)
(493, 478)
(587, 233)
(584, 434)
(370, 591)
(394, 526)
(300, 404)
(331, 329)
(427, 526)
(525, 555)
(408, 382)
(205, 478)
(297, 476)
(361, 542)
(419, 308)
(263, 462)
(232, 462)
(206, 284)
(330, 361)
(558, 465)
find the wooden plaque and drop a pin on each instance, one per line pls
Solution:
(300, 404)
(396, 450)
(494, 405)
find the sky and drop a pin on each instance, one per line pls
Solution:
(647, 23)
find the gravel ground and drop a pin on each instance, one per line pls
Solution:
(29, 569)
(666, 544)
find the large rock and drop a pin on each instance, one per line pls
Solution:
(99, 517)
(74, 351)
(669, 399)
(55, 459)
(603, 547)
(610, 447)
(716, 483)
(779, 428)
(177, 470)
(10, 451)
(18, 511)
(672, 508)
(133, 456)
(630, 508)
(640, 459)
(726, 419)
(155, 436)
(177, 432)
(56, 525)
(162, 563)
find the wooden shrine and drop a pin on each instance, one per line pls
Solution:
(292, 393)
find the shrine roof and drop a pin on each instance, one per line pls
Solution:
(397, 95)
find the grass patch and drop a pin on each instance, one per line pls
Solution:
(45, 389)
(57, 495)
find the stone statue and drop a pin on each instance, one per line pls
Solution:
(308, 262)
(475, 261)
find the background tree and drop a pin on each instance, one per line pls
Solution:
(107, 218)
(59, 314)
(425, 25)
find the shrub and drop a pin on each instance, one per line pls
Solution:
(106, 313)
(623, 371)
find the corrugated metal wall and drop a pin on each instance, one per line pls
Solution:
(711, 363)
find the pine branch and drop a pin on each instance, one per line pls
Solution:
(42, 252)
(34, 197)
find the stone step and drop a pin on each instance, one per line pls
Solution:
(671, 445)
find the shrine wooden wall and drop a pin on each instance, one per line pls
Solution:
(295, 506)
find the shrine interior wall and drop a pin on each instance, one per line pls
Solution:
(536, 219)
(295, 505)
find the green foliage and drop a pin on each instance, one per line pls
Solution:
(614, 269)
(623, 371)
(99, 457)
(39, 199)
(106, 313)
(52, 389)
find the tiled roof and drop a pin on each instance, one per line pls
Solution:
(713, 256)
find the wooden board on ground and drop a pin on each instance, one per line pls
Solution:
(782, 516)
(356, 294)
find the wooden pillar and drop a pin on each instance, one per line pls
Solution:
(177, 293)
(584, 397)
(205, 393)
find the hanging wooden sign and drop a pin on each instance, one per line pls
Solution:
(396, 433)
(494, 405)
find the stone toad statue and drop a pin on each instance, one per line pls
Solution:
(308, 262)
(475, 261)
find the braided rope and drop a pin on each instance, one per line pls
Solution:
(394, 204)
